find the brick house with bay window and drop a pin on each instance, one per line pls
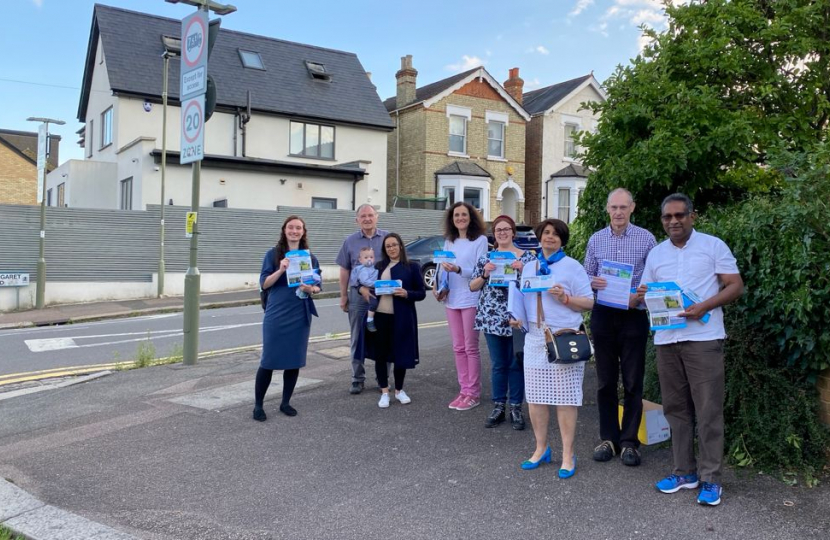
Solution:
(460, 138)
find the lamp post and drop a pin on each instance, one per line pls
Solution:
(44, 149)
(172, 47)
(192, 277)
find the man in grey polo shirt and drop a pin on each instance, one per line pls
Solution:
(690, 359)
(350, 300)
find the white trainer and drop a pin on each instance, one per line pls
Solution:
(402, 397)
(384, 401)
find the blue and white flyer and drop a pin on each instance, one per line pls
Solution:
(618, 278)
(664, 301)
(299, 268)
(504, 272)
(387, 286)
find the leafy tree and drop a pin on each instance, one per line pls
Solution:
(700, 110)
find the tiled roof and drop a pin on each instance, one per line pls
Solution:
(541, 100)
(464, 168)
(573, 169)
(430, 90)
(285, 87)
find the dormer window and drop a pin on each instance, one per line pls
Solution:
(317, 71)
(251, 59)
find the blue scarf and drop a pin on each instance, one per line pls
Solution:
(544, 264)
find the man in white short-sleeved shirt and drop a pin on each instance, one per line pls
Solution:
(690, 359)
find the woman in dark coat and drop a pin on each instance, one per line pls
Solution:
(396, 320)
(287, 323)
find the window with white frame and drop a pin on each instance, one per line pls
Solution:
(496, 127)
(127, 194)
(473, 190)
(564, 205)
(106, 128)
(449, 193)
(458, 118)
(458, 134)
(62, 194)
(312, 140)
(474, 197)
(570, 145)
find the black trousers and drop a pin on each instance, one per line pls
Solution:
(385, 343)
(620, 338)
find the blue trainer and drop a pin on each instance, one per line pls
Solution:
(709, 494)
(674, 483)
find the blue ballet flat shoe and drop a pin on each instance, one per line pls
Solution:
(565, 473)
(530, 465)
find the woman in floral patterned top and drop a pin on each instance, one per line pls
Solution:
(491, 317)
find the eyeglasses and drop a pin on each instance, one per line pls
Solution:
(504, 230)
(667, 218)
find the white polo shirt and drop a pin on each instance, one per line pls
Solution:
(695, 266)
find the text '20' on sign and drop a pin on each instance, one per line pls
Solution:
(193, 129)
(194, 54)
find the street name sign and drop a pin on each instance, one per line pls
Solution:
(194, 55)
(193, 130)
(8, 279)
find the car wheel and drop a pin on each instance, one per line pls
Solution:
(428, 273)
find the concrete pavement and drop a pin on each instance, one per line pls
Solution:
(171, 452)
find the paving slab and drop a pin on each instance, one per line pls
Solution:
(50, 523)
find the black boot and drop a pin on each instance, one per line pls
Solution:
(496, 417)
(517, 419)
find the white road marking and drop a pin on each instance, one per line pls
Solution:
(55, 344)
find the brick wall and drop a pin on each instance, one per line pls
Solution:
(18, 178)
(824, 396)
(533, 166)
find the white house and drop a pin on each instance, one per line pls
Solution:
(554, 177)
(295, 125)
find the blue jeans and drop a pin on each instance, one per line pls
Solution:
(505, 371)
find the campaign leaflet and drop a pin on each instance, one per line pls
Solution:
(441, 277)
(387, 286)
(664, 301)
(618, 278)
(439, 257)
(299, 268)
(504, 272)
(690, 297)
(538, 283)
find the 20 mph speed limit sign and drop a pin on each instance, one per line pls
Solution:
(193, 129)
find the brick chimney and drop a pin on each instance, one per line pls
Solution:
(406, 82)
(514, 85)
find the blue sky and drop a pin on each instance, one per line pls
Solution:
(44, 42)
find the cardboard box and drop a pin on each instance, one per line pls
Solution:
(654, 427)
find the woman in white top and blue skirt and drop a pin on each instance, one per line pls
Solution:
(464, 236)
(562, 305)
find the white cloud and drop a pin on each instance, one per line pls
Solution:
(532, 84)
(648, 16)
(38, 3)
(580, 6)
(541, 49)
(467, 62)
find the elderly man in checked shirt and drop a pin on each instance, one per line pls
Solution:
(619, 335)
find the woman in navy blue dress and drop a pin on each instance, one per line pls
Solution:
(287, 323)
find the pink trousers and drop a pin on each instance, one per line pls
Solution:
(465, 347)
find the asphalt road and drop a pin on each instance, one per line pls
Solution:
(33, 349)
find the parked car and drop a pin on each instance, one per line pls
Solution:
(525, 239)
(421, 252)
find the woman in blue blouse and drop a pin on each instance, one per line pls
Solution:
(287, 323)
